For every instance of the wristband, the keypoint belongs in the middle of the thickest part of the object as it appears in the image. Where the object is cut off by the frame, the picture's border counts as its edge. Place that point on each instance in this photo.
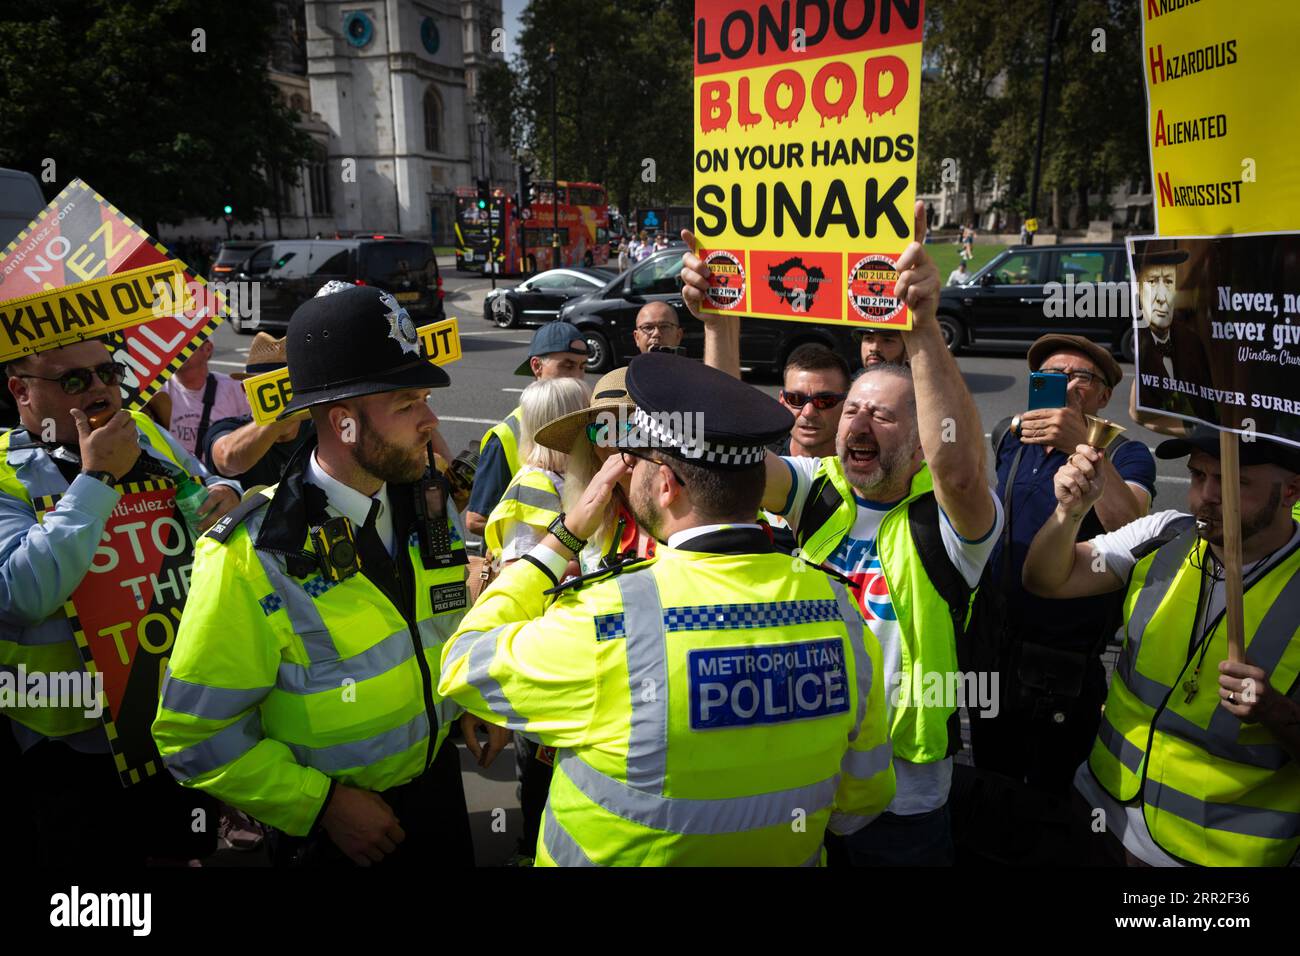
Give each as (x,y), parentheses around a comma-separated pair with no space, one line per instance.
(565,536)
(105,476)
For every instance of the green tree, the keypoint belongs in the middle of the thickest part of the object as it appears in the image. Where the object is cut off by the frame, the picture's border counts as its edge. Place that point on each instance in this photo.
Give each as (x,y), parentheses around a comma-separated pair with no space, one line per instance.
(623,94)
(967,44)
(115,92)
(1095,136)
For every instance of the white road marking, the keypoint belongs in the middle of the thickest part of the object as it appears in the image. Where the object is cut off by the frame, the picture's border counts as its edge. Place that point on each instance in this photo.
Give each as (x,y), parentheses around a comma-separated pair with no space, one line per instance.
(469,421)
(512,389)
(1174,479)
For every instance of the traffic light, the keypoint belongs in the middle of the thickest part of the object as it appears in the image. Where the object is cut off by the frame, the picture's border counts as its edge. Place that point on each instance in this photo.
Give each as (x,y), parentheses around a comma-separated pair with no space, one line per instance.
(228,209)
(525,187)
(484,193)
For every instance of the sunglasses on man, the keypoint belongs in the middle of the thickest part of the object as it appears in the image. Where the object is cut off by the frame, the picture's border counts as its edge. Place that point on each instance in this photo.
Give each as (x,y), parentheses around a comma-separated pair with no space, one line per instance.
(77,380)
(821,401)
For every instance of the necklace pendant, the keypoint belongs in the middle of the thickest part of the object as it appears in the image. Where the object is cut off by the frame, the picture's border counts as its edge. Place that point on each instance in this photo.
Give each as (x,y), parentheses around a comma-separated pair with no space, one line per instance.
(1191,687)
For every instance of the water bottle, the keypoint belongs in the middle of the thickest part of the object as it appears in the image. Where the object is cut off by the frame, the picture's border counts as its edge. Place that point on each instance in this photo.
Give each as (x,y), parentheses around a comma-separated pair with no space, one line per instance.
(190,496)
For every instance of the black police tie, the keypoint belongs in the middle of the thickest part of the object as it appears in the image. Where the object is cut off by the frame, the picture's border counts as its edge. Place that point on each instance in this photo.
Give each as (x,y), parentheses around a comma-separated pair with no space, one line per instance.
(375,559)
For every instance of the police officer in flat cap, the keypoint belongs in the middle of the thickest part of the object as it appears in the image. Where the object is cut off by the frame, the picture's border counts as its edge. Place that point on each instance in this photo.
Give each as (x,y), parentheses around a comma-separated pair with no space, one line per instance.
(1167,344)
(303,685)
(713,705)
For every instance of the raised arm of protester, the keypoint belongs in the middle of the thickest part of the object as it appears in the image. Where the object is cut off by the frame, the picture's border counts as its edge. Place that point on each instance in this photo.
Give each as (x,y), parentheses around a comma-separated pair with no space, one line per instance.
(721,332)
(951,434)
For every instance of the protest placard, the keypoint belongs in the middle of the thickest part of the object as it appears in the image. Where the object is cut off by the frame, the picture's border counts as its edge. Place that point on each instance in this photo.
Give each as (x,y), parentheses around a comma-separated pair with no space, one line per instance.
(1218,338)
(82,237)
(125,613)
(269,392)
(1215,94)
(805,155)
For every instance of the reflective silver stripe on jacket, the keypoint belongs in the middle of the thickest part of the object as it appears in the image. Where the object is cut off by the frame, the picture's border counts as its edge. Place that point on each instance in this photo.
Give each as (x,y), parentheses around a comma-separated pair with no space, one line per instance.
(210,703)
(690,817)
(1119,745)
(865,764)
(534,497)
(223,747)
(1160,575)
(852,618)
(1229,817)
(647,676)
(561,847)
(364,753)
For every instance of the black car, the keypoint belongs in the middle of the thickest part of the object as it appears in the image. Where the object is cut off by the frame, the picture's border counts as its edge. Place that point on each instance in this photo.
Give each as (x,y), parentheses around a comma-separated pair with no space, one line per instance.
(537,300)
(288,272)
(607,318)
(231,258)
(1006,303)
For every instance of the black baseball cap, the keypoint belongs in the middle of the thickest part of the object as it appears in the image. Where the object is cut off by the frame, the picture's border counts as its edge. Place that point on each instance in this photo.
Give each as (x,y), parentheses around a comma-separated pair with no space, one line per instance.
(551,338)
(1260,451)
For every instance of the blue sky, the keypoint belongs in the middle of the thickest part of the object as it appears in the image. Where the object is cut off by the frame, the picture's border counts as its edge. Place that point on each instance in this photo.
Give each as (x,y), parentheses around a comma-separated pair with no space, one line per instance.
(511,9)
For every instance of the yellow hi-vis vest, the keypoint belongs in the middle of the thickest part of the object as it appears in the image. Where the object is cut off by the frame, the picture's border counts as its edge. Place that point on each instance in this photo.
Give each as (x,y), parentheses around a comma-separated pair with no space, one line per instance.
(926,625)
(1215,791)
(49,647)
(530,498)
(711,709)
(507,432)
(277,684)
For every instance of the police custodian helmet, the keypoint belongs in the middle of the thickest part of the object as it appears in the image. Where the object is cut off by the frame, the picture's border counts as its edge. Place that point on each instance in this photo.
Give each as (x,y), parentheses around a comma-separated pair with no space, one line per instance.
(359,341)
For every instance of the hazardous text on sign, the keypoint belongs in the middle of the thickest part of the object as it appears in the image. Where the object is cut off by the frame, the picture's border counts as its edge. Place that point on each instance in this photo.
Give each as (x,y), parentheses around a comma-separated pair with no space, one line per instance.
(805,153)
(1220,162)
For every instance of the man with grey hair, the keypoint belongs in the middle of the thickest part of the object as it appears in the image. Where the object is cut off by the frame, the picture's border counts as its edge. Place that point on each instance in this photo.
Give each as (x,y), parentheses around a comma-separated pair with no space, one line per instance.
(903,511)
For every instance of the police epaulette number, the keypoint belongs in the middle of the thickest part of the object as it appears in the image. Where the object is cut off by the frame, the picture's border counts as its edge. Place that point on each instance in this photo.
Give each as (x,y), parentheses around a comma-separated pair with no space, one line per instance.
(582,580)
(223,529)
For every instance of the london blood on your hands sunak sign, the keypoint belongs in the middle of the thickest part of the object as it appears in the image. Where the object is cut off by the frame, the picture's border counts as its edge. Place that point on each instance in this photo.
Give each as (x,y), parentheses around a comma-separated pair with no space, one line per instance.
(805,123)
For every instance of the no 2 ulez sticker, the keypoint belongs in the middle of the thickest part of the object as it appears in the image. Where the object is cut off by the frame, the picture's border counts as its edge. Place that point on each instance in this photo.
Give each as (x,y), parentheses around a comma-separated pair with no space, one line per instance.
(726,279)
(870,286)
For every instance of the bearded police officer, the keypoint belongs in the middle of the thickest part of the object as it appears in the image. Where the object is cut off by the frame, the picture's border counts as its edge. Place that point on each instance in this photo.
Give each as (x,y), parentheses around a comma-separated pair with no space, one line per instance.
(712,705)
(303,687)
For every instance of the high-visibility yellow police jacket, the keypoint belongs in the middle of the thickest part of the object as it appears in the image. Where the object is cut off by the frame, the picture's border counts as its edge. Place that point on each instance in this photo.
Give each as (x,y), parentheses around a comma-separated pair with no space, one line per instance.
(712,705)
(37,580)
(1215,791)
(282,680)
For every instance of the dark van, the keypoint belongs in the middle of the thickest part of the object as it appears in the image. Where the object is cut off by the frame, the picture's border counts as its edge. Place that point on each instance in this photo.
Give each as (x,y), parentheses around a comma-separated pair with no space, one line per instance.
(290,271)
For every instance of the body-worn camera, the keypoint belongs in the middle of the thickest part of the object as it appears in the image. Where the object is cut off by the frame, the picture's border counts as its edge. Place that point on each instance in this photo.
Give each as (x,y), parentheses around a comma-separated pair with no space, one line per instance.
(336,549)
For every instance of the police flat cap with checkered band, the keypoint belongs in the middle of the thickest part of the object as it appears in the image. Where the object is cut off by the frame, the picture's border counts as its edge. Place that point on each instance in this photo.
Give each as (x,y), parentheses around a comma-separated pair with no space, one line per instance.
(699,414)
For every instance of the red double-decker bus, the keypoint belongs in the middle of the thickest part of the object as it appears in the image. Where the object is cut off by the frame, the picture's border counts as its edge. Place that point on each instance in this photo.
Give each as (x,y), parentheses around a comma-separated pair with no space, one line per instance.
(522,245)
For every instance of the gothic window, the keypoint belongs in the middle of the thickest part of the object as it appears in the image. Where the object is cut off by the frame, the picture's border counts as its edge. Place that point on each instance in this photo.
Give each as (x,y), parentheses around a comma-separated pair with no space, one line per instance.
(432,121)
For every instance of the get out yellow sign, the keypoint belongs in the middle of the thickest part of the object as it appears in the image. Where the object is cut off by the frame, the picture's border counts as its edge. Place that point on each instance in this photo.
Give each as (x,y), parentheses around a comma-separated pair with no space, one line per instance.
(269,392)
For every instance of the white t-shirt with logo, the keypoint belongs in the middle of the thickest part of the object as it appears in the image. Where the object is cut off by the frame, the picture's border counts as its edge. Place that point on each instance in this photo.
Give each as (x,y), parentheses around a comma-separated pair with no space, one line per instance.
(921,787)
(187,407)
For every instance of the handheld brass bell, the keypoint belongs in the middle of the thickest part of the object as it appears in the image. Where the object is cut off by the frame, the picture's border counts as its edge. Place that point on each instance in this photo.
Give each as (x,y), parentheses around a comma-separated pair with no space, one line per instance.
(1101,432)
